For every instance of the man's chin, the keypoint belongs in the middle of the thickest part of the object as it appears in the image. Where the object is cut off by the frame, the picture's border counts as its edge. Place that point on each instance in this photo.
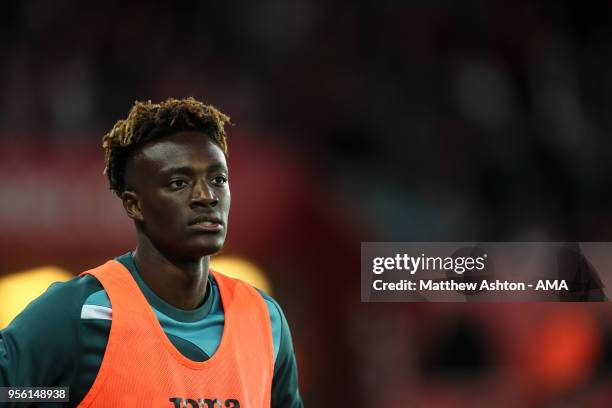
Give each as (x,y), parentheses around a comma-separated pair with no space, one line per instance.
(194,249)
(206,250)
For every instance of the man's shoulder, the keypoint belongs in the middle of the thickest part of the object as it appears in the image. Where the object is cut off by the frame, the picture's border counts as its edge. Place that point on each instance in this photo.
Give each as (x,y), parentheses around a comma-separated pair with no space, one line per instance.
(273,306)
(61,301)
(41,342)
(73,291)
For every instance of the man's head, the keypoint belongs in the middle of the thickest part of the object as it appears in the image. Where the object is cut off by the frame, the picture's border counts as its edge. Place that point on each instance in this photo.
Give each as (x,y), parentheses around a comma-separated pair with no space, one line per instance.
(167,163)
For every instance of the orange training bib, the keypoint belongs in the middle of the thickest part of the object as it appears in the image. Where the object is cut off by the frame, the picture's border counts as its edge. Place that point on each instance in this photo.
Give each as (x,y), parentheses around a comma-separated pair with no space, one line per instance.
(142,368)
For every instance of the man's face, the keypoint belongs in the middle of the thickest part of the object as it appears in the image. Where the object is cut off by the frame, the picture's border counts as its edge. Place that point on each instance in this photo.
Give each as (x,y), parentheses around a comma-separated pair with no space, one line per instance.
(180,194)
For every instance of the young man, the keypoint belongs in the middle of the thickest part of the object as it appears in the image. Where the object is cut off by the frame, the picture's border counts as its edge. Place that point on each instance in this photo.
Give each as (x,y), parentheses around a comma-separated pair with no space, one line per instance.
(156,327)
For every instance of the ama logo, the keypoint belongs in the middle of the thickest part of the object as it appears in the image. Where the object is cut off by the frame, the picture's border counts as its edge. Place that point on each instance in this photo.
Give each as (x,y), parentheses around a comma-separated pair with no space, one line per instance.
(545,284)
(204,403)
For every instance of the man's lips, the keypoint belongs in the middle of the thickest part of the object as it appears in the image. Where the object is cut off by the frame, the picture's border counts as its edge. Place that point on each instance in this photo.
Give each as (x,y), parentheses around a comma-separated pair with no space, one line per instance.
(206,223)
(208,226)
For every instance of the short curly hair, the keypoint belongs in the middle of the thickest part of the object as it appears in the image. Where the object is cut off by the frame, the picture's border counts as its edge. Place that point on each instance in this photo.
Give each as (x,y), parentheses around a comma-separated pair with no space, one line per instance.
(147,121)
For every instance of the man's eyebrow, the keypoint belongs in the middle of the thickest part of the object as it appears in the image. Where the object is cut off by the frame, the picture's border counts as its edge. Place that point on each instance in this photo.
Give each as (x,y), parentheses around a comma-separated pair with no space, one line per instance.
(216,166)
(190,170)
(176,169)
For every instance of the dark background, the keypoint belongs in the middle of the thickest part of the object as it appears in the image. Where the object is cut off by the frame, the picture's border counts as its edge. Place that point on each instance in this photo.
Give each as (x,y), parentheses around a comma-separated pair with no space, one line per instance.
(354,121)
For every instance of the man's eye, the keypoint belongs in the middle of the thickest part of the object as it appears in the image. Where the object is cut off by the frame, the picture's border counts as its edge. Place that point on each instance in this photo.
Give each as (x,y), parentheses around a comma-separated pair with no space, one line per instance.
(178,184)
(220,180)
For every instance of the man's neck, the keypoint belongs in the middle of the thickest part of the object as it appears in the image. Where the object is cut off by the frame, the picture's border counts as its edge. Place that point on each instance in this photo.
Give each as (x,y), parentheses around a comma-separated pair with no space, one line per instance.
(180,284)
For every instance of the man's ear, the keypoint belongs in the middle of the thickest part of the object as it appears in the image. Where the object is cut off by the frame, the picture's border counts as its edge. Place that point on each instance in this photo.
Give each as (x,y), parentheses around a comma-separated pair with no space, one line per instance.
(131,203)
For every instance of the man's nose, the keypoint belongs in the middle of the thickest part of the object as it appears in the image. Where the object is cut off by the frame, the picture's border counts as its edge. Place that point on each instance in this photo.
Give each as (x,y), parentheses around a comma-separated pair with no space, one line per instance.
(203,194)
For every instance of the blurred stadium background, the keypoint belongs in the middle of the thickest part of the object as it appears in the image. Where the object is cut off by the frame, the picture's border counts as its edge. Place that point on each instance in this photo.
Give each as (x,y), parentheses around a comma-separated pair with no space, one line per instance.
(355,121)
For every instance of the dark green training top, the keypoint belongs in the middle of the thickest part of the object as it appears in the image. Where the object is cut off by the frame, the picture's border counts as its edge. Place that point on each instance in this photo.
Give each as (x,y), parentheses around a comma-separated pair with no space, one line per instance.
(60,338)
